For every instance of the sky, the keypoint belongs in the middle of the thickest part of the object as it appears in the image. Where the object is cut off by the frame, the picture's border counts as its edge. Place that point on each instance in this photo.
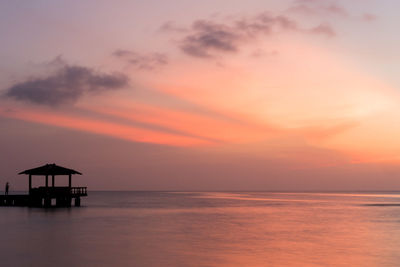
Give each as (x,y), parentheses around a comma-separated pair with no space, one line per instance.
(289,95)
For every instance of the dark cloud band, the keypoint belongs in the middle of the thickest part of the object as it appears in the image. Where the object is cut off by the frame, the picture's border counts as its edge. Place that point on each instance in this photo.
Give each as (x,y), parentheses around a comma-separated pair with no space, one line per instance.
(207,38)
(66,85)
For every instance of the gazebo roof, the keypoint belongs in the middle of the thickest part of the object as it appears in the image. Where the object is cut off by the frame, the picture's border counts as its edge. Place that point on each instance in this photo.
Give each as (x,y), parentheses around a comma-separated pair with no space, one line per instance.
(50,169)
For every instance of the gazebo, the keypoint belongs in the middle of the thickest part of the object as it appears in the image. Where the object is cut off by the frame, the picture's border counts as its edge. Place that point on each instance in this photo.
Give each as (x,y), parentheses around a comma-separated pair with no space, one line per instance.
(43,195)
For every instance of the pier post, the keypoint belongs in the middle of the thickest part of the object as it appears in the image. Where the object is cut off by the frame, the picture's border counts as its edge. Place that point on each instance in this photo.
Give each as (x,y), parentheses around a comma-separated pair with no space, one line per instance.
(59,202)
(77,202)
(47,202)
(30,183)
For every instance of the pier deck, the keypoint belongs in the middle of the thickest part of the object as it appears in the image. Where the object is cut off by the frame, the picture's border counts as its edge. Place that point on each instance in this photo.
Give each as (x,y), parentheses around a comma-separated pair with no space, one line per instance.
(46,197)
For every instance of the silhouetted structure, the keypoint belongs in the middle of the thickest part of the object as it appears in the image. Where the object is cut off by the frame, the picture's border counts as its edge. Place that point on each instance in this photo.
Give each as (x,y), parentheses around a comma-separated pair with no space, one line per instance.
(42,196)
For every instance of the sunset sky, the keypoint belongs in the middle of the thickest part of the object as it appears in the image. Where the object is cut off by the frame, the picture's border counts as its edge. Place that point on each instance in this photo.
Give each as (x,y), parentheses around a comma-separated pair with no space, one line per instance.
(202,95)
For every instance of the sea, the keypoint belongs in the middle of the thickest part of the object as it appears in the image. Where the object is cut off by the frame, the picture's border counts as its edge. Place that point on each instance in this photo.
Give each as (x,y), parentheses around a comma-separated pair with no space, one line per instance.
(207,229)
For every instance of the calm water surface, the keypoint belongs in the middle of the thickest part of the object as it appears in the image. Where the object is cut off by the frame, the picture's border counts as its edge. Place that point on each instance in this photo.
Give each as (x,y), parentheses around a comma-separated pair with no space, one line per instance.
(207,229)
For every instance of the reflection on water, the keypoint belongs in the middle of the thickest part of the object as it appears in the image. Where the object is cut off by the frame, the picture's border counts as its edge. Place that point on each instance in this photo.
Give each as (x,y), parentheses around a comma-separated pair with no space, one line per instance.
(207,229)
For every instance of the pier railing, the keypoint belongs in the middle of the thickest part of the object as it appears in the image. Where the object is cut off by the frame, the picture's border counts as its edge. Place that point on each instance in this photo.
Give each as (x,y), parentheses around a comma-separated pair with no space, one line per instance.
(79,191)
(59,191)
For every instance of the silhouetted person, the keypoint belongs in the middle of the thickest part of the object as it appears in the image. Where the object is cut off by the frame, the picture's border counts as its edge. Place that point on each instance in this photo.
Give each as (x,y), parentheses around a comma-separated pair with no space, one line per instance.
(7,187)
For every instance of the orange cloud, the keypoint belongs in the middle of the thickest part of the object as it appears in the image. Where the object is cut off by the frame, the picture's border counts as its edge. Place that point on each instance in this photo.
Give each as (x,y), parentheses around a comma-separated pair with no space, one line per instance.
(102,127)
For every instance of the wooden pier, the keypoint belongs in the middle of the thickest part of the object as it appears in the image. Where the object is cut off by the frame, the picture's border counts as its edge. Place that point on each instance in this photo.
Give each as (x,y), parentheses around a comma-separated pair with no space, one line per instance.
(47,196)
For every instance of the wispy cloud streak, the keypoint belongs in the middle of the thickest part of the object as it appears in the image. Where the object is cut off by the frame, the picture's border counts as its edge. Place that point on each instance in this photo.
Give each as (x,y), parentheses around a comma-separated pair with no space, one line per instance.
(148,61)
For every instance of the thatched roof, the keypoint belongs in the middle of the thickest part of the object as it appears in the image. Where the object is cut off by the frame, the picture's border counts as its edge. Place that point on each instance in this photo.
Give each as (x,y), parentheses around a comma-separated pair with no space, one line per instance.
(50,169)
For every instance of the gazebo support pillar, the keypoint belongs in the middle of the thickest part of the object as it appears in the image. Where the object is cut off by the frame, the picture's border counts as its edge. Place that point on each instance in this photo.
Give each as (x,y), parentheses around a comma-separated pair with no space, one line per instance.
(47,181)
(69,181)
(52,180)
